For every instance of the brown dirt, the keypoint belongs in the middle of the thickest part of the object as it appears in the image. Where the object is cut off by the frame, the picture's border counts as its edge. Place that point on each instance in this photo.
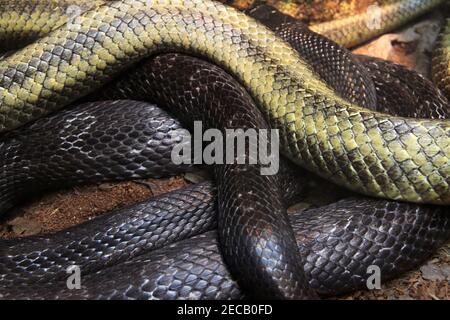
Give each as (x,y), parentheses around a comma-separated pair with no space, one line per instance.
(61,209)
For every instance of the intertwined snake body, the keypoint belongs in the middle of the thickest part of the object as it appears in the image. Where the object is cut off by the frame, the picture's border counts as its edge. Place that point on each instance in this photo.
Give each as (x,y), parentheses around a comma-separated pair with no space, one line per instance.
(367,151)
(373,153)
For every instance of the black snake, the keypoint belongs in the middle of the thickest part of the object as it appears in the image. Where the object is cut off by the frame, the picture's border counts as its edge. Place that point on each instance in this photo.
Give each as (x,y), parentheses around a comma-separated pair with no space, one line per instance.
(254,231)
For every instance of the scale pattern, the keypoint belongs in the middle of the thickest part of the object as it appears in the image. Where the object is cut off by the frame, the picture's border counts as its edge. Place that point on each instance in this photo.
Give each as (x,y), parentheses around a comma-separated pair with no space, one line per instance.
(354,30)
(254,230)
(259,60)
(403,92)
(337,243)
(115,238)
(160,74)
(337,66)
(111,238)
(369,152)
(110,140)
(23,21)
(441,61)
(246,198)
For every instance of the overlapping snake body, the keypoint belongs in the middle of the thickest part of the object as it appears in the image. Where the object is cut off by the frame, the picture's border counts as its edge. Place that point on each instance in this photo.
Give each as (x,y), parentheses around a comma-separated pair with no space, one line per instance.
(373,22)
(390,157)
(441,61)
(164,248)
(380,155)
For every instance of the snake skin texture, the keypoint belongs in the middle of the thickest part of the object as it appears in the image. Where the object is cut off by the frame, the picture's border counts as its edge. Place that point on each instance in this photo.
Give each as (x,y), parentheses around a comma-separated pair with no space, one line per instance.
(40,264)
(368,152)
(324,11)
(167,80)
(373,83)
(26,21)
(18,22)
(337,243)
(231,179)
(403,92)
(258,203)
(249,203)
(125,135)
(134,141)
(354,30)
(31,264)
(441,61)
(364,232)
(111,238)
(128,232)
(335,65)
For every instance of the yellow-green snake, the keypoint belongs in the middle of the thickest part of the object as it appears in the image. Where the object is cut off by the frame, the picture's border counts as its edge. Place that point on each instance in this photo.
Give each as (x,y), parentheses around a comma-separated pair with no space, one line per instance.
(377,20)
(353,28)
(365,151)
(441,61)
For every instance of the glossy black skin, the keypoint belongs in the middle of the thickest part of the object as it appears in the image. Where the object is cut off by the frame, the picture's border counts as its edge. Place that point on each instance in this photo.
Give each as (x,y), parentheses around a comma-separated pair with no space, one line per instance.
(254,231)
(331,62)
(403,92)
(181,83)
(85,145)
(152,241)
(167,248)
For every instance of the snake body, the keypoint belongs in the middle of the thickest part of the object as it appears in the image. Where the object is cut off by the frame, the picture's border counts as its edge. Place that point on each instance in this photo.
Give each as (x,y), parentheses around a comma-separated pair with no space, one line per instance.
(380,155)
(169,243)
(193,268)
(369,152)
(441,61)
(354,30)
(345,22)
(140,149)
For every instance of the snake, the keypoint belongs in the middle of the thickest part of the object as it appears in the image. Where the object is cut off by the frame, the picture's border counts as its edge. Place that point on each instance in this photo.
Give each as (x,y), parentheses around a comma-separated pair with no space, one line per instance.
(441,61)
(289,86)
(169,243)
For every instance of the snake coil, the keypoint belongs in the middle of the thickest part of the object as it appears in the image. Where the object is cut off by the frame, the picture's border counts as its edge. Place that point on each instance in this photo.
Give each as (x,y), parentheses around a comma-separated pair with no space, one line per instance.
(324,124)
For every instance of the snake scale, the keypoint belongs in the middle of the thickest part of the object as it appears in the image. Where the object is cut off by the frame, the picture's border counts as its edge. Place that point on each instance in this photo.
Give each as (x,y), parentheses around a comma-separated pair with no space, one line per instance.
(378,154)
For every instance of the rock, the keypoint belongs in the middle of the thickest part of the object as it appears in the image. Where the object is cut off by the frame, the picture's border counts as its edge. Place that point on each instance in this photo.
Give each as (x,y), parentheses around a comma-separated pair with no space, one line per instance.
(298,208)
(446,272)
(105,186)
(197,176)
(432,272)
(25,227)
